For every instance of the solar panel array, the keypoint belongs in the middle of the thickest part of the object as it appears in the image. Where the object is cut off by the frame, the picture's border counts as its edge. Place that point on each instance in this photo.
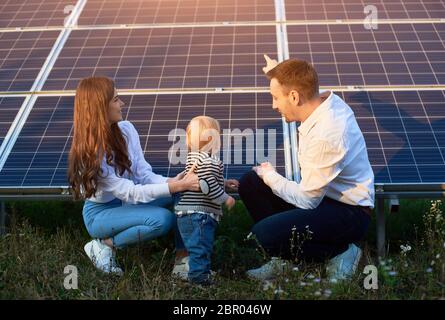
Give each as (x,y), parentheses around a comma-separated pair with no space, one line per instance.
(394,54)
(173,11)
(34,13)
(200,57)
(354,9)
(173,60)
(40,154)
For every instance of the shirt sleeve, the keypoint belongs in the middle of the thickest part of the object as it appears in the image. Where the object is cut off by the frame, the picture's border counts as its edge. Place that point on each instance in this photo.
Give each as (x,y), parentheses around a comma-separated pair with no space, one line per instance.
(127,191)
(320,164)
(207,172)
(143,172)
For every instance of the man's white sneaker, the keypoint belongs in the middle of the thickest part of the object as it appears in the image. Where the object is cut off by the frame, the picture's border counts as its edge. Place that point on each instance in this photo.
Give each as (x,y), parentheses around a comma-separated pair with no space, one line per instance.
(344,265)
(181,269)
(270,270)
(102,257)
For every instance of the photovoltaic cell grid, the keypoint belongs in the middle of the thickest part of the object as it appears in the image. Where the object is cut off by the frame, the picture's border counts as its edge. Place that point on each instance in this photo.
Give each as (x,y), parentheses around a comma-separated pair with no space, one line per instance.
(22,55)
(162,58)
(354,9)
(404,133)
(34,13)
(395,54)
(39,157)
(98,12)
(9,107)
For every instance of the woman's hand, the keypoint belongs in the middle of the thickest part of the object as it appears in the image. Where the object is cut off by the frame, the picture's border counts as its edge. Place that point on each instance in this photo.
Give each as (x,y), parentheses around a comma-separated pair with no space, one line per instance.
(185,181)
(178,177)
(231,185)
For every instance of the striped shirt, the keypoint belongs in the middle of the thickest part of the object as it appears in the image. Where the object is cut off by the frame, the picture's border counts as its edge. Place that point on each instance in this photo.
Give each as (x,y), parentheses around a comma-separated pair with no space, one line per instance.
(209,170)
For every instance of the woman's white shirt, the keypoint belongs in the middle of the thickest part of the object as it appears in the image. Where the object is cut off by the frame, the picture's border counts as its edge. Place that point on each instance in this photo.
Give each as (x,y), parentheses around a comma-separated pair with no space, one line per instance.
(142,186)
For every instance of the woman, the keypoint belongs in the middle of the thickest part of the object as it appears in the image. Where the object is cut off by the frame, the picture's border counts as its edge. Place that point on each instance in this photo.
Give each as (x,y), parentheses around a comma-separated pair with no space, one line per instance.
(125,200)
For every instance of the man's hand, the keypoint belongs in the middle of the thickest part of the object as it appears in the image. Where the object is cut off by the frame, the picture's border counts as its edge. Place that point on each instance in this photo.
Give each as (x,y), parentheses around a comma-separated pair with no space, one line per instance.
(230,202)
(271,63)
(263,168)
(231,185)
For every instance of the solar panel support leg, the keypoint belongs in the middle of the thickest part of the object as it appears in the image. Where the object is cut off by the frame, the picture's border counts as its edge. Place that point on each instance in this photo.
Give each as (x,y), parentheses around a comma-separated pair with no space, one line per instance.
(380,219)
(2,218)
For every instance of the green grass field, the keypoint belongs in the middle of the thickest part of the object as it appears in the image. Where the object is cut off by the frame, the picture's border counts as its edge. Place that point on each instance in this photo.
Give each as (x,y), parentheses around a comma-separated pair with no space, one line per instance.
(44,237)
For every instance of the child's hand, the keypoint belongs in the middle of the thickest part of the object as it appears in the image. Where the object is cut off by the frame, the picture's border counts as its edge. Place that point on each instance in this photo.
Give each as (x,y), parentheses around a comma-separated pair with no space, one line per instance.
(230,202)
(231,185)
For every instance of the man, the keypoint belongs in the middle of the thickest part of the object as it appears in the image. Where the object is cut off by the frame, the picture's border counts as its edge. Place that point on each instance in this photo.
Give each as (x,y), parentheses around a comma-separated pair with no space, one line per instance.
(323,215)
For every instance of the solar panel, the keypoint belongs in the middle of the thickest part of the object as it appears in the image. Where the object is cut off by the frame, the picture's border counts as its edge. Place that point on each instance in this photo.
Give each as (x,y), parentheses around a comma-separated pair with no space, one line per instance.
(166,57)
(404,130)
(39,156)
(99,12)
(34,13)
(22,55)
(395,54)
(404,133)
(9,106)
(354,9)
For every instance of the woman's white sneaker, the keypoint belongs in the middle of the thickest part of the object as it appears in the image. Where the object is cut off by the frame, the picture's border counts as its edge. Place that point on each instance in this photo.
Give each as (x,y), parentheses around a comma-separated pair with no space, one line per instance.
(102,257)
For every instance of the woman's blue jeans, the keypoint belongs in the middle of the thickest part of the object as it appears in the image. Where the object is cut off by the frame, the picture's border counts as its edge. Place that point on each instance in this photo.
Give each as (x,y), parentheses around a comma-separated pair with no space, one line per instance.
(129,224)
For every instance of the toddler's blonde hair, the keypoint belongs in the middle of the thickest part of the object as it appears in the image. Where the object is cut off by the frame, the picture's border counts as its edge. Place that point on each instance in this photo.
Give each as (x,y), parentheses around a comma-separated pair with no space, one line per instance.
(203,134)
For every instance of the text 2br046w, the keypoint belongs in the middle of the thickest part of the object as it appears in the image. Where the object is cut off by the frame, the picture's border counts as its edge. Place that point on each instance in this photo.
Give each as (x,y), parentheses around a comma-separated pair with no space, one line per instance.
(233,309)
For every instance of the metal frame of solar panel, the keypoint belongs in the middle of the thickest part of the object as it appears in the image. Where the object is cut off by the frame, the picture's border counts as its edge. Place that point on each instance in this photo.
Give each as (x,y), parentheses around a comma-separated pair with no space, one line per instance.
(393,77)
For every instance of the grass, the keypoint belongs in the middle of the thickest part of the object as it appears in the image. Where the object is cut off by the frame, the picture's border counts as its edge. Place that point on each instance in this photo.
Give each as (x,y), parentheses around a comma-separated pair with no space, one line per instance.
(45,237)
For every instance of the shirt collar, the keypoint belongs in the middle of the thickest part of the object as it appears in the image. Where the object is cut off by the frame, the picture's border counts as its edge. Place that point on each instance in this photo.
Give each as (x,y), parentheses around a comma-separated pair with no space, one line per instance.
(307,125)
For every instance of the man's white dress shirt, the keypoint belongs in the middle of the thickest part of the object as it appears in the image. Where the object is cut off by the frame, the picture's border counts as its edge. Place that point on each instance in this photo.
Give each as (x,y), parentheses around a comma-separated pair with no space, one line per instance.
(333,160)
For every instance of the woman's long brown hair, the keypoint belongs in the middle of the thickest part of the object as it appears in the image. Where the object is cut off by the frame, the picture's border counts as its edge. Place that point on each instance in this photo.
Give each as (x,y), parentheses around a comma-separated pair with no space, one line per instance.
(94,137)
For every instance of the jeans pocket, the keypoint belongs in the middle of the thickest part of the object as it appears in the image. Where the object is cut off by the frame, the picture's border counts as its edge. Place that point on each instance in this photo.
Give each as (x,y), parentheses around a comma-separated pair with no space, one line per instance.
(207,227)
(185,225)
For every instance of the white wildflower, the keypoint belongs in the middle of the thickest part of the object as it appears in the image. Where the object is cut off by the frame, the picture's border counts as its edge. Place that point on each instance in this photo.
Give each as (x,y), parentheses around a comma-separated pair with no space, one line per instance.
(333,280)
(429,270)
(278,291)
(317,293)
(267,285)
(295,269)
(392,273)
(317,280)
(327,292)
(406,248)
